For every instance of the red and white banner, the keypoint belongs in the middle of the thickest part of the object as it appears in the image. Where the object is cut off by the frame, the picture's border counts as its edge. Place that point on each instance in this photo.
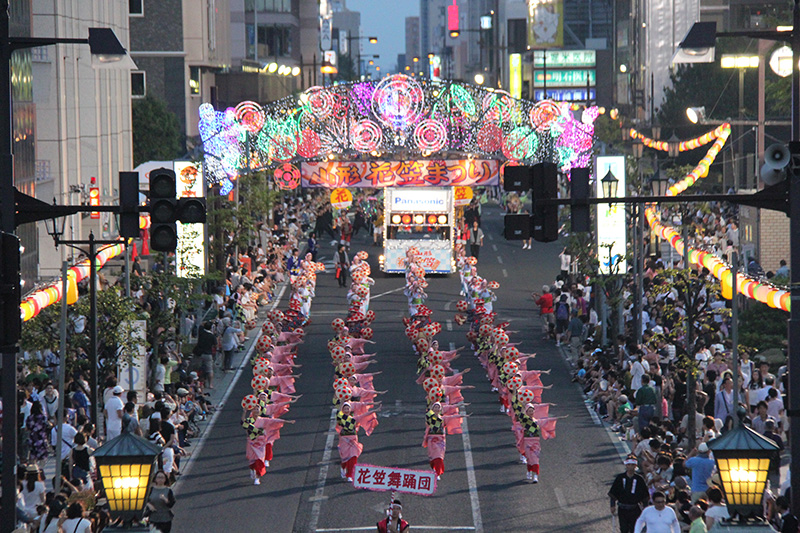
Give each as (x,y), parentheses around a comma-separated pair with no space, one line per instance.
(381,478)
(378,174)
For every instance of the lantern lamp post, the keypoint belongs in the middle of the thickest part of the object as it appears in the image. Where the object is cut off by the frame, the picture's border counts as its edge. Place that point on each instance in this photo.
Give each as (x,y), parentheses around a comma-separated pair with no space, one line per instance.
(125,465)
(743,458)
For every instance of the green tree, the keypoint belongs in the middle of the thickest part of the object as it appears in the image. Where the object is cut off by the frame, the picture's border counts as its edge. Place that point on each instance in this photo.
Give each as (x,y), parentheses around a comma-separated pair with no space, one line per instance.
(763,327)
(156,131)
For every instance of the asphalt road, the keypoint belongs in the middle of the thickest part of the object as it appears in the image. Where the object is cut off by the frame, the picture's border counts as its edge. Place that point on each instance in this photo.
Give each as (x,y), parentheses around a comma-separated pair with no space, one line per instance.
(483,488)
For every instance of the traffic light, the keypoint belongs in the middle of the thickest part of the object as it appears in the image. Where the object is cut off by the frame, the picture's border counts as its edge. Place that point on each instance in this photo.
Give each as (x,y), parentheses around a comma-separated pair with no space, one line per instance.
(545,187)
(10,320)
(452,20)
(94,198)
(129,204)
(192,210)
(163,211)
(579,183)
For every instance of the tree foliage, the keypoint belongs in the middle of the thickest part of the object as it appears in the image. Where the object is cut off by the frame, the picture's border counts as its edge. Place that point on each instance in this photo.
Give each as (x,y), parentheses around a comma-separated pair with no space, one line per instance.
(157,133)
(762,327)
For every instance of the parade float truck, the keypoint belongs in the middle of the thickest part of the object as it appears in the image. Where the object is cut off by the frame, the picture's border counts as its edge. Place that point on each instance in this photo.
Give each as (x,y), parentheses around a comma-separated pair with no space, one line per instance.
(420,217)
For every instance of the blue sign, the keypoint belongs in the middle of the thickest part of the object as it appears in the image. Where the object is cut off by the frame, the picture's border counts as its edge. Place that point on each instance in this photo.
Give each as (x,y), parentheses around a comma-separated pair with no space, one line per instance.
(564,95)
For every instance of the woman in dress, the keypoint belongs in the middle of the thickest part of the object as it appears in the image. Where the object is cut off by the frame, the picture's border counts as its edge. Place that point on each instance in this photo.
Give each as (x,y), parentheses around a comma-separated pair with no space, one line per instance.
(350,449)
(434,439)
(38,427)
(262,432)
(531,434)
(160,502)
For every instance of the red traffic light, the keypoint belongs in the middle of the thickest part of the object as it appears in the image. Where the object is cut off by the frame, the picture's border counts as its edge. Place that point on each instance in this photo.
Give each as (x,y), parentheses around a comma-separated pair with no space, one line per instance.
(94,200)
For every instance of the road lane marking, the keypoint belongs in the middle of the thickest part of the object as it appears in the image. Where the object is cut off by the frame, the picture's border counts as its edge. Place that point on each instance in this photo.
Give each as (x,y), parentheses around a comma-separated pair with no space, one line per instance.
(505,273)
(318,497)
(449,325)
(562,502)
(494,247)
(491,237)
(499,259)
(221,404)
(416,527)
(477,520)
(447,306)
(621,449)
(387,292)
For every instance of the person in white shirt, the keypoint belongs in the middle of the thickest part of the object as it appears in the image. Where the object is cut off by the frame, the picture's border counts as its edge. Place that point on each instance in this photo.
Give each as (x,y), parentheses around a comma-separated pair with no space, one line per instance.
(67,442)
(113,411)
(658,518)
(639,368)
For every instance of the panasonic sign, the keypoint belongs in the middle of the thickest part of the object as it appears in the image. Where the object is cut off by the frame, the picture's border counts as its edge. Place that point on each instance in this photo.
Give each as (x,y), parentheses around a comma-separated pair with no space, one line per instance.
(425,200)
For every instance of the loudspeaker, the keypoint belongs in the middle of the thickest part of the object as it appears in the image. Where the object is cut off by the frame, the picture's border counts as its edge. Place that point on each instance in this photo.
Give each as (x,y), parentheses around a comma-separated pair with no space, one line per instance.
(579,183)
(517,179)
(517,227)
(777,156)
(545,217)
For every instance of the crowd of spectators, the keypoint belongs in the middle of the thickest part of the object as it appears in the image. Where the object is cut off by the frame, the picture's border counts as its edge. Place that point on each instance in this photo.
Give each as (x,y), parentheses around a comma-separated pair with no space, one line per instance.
(640,389)
(183,363)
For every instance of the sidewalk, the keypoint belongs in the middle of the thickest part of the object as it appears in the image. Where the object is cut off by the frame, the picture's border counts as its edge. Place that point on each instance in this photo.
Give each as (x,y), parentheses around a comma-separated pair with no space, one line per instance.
(223,384)
(624,446)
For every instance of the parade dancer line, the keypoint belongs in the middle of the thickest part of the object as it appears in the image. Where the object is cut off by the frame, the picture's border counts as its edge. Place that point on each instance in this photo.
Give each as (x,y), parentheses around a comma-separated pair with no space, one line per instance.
(262,432)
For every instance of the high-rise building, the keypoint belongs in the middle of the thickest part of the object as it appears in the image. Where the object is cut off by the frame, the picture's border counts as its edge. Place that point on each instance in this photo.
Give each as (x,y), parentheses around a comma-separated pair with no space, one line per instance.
(347,38)
(83,122)
(412,43)
(275,50)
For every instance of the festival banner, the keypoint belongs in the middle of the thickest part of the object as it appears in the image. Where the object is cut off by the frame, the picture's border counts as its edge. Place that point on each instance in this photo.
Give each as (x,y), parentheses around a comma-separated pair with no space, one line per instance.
(380,174)
(545,23)
(190,255)
(433,256)
(341,198)
(382,478)
(463,196)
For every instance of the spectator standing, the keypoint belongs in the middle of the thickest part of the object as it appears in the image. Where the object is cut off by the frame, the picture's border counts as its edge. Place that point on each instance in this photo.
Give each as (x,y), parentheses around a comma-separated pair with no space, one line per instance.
(230,342)
(545,303)
(788,522)
(628,494)
(658,518)
(342,265)
(160,503)
(113,412)
(475,240)
(562,318)
(566,261)
(204,351)
(701,466)
(575,334)
(646,401)
(697,525)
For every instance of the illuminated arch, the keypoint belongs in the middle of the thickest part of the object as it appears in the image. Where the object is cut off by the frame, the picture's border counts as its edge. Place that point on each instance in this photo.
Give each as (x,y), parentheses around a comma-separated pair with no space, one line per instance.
(409,117)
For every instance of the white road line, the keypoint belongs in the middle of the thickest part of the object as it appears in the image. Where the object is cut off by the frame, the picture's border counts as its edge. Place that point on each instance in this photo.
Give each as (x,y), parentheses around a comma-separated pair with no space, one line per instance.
(447,306)
(387,292)
(499,259)
(318,497)
(449,325)
(416,527)
(505,273)
(491,237)
(196,452)
(477,520)
(494,247)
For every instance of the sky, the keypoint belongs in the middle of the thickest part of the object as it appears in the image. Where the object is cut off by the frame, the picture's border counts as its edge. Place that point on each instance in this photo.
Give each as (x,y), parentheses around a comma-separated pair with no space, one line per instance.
(386,20)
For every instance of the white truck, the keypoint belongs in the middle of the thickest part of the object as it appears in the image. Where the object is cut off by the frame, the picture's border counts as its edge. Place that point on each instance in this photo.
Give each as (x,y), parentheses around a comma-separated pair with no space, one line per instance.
(423,217)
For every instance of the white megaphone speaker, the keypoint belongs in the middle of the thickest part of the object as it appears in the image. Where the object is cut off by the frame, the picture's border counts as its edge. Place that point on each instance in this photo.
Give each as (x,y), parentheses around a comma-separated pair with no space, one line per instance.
(776,158)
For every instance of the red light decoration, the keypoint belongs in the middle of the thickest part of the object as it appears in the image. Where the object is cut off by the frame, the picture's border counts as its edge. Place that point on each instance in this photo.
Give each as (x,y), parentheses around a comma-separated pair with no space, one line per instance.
(94,201)
(406,219)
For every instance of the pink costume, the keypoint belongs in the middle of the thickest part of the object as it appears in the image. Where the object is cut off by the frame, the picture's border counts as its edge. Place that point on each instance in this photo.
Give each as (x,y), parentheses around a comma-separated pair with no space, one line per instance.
(259,449)
(357,345)
(284,383)
(290,337)
(532,377)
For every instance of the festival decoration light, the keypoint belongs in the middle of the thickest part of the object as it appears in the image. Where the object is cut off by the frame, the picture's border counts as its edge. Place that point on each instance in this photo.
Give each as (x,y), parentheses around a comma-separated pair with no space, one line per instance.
(423,118)
(758,290)
(33,304)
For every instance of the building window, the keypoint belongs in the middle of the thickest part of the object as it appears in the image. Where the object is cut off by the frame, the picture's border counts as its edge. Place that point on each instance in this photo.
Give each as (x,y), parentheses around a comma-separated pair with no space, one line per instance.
(194,80)
(517,36)
(274,41)
(137,84)
(279,6)
(136,8)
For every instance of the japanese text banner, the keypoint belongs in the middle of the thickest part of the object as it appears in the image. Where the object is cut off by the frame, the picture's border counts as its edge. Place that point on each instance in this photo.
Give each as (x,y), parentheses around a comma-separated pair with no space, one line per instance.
(378,174)
(381,478)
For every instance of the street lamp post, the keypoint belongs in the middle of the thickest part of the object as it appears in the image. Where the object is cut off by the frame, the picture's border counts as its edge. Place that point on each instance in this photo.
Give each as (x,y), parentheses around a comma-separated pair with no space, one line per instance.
(350,39)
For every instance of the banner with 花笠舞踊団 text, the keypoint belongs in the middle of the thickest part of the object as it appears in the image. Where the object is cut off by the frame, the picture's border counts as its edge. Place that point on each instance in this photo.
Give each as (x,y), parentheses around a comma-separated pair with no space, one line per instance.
(417,173)
(382,478)
(545,23)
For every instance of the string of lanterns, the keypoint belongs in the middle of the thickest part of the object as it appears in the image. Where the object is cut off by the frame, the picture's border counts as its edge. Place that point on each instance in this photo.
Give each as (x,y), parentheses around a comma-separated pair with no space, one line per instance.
(752,288)
(38,300)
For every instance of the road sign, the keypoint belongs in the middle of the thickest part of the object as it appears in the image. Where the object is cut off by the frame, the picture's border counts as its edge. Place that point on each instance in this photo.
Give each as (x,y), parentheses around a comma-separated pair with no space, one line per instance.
(382,478)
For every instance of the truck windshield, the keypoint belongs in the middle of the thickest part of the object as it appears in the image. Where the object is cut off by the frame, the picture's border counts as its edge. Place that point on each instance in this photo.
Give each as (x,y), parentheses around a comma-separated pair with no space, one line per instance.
(417,233)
